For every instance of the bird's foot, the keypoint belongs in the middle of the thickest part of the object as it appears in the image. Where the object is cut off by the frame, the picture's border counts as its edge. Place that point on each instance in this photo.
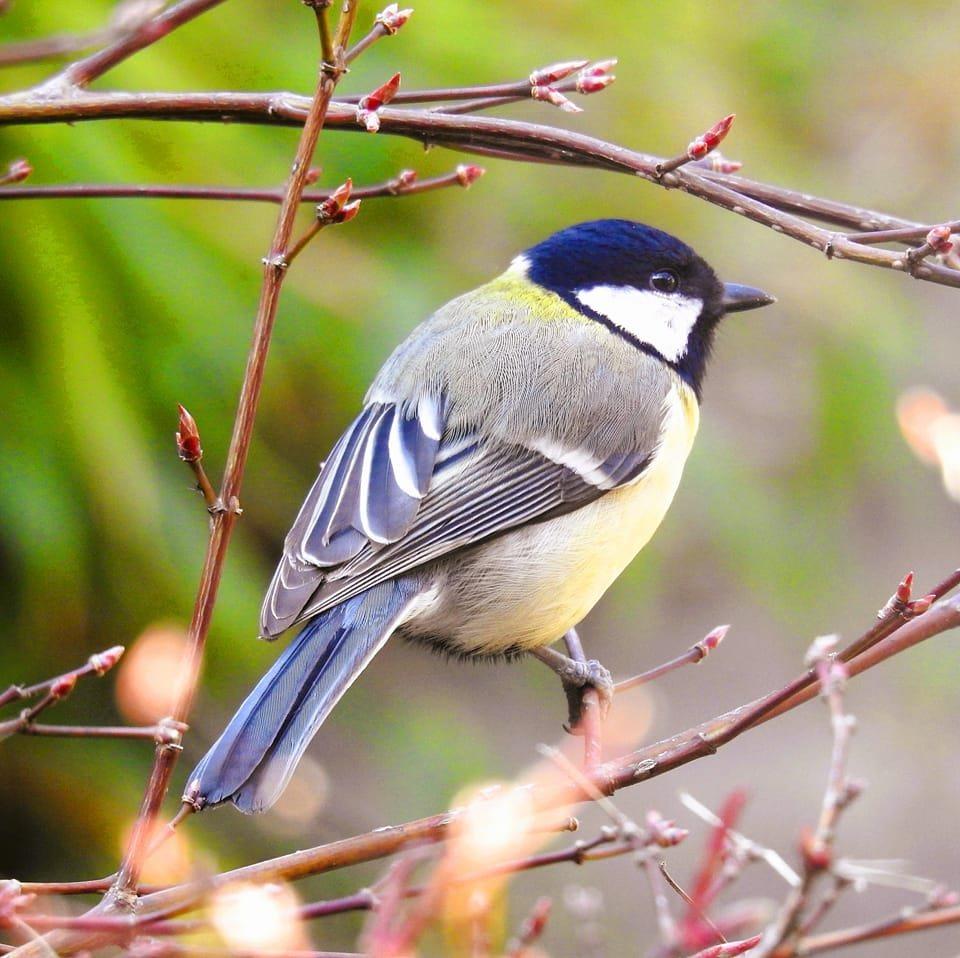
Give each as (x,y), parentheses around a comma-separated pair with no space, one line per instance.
(586,675)
(576,678)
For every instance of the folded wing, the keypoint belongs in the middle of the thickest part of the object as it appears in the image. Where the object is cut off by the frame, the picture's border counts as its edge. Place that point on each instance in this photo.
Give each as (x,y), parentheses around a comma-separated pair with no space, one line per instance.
(397,493)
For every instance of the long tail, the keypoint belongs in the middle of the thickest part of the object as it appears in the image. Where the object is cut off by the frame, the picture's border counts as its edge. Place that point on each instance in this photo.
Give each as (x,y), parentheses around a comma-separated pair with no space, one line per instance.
(252,761)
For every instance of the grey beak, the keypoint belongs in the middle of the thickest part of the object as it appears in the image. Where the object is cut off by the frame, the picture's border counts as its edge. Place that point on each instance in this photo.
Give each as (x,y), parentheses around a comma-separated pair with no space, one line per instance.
(737,298)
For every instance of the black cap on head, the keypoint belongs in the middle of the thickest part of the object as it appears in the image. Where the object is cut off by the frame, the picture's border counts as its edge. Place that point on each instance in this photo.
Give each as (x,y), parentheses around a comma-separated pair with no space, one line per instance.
(623,254)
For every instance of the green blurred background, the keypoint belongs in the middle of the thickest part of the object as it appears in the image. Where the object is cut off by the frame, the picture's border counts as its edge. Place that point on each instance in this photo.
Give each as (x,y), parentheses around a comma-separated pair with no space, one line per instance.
(800,509)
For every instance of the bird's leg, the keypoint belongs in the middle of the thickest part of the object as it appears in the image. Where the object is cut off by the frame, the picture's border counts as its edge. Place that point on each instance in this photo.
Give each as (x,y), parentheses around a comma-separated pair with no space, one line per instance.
(577,673)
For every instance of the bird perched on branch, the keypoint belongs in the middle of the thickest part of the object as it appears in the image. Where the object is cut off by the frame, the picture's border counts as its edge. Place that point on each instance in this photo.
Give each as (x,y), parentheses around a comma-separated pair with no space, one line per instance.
(513,455)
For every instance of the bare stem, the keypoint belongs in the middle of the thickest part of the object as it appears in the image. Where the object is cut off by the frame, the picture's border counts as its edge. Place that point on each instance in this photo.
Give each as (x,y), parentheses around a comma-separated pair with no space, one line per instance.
(693,656)
(223,522)
(83,72)
(404,184)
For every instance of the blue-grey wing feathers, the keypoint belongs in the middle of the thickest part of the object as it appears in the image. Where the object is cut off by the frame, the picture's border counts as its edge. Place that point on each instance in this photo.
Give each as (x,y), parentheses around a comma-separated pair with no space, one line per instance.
(368,492)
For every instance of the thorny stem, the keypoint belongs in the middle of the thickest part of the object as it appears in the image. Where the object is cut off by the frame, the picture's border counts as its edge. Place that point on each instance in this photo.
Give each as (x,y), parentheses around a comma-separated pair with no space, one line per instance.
(223,522)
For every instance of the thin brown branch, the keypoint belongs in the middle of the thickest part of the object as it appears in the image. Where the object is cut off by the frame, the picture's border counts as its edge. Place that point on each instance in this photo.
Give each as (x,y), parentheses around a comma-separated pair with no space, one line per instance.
(531,930)
(223,522)
(83,72)
(902,924)
(693,656)
(906,235)
(147,732)
(386,23)
(514,140)
(698,148)
(650,762)
(818,853)
(127,17)
(191,452)
(405,183)
(52,691)
(653,761)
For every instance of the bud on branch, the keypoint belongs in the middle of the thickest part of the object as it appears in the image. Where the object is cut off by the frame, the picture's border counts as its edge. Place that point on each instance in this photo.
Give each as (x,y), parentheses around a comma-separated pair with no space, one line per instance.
(369,105)
(188,437)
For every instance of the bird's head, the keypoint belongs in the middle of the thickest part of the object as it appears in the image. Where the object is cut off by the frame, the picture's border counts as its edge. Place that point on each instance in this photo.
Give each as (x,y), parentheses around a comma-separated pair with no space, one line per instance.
(643,285)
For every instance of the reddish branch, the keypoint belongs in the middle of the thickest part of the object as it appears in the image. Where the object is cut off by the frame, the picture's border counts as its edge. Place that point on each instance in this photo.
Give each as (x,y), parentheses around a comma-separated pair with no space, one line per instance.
(405,183)
(52,691)
(902,623)
(332,67)
(650,762)
(780,209)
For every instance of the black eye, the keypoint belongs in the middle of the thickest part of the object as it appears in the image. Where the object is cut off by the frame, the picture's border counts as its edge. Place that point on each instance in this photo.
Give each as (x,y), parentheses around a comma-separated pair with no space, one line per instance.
(664,281)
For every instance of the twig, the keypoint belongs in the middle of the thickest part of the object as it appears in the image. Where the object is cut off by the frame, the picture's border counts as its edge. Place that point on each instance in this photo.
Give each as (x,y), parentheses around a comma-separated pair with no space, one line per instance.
(386,23)
(908,921)
(53,691)
(330,212)
(650,762)
(83,72)
(817,848)
(223,522)
(693,656)
(191,452)
(532,928)
(17,171)
(661,905)
(698,148)
(729,948)
(404,183)
(509,139)
(127,16)
(147,732)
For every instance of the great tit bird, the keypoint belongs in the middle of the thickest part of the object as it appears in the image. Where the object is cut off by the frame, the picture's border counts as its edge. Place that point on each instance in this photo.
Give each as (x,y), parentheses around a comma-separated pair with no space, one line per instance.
(512,456)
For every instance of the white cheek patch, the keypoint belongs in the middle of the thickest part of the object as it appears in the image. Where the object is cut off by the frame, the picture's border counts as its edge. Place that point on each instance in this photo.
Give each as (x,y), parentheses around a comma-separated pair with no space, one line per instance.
(661,320)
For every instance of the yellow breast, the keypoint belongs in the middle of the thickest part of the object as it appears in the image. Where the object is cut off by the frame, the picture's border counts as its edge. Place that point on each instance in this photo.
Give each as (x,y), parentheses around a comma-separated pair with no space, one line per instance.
(550,575)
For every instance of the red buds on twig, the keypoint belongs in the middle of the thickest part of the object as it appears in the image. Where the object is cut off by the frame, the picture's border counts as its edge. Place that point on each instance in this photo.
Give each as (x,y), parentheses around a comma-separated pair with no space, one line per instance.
(188,437)
(336,208)
(717,162)
(664,832)
(596,77)
(901,604)
(17,172)
(103,662)
(711,640)
(556,71)
(700,146)
(938,242)
(549,94)
(729,948)
(391,18)
(468,174)
(369,105)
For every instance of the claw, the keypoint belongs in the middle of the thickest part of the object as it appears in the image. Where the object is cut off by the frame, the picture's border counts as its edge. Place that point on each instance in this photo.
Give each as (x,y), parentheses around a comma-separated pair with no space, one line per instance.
(577,678)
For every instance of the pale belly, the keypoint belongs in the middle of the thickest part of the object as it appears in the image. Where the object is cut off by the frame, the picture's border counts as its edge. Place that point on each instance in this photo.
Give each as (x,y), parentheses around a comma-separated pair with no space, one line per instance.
(527,588)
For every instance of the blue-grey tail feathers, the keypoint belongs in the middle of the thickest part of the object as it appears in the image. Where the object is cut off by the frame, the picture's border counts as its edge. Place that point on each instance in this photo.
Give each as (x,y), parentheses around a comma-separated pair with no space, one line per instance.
(252,761)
